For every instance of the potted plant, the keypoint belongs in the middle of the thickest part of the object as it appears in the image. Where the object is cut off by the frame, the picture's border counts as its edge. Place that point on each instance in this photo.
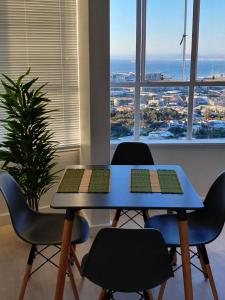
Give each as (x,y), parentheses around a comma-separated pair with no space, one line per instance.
(27,149)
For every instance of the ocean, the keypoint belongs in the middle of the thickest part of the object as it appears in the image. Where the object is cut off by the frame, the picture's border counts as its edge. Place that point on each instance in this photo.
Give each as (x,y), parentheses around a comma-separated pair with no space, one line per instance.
(171,68)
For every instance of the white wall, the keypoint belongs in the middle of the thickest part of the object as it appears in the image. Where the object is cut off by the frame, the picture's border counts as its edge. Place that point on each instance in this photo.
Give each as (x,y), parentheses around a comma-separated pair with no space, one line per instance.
(94,90)
(94,83)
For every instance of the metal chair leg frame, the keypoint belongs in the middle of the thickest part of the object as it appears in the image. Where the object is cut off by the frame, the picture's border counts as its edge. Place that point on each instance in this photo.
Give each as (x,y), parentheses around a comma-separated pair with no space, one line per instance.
(117,216)
(27,272)
(131,219)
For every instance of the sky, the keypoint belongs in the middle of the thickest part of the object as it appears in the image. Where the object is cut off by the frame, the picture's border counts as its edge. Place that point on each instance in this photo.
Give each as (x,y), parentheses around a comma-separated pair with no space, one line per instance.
(165,26)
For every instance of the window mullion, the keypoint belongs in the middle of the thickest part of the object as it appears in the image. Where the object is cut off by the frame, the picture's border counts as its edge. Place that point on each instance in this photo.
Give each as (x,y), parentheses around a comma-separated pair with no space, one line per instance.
(194,56)
(143,40)
(138,72)
(190,112)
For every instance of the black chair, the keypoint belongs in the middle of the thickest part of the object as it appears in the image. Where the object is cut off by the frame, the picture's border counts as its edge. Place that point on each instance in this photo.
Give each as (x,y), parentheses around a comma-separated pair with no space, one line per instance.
(131,153)
(204,226)
(38,229)
(112,264)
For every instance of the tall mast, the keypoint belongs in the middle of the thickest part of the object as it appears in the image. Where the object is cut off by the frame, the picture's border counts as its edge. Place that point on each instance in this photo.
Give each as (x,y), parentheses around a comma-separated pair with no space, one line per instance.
(184,41)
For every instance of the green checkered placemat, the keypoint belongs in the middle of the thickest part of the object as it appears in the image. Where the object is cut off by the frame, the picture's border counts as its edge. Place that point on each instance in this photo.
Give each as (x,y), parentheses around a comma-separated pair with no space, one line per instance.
(85,181)
(140,181)
(100,180)
(156,181)
(169,182)
(71,181)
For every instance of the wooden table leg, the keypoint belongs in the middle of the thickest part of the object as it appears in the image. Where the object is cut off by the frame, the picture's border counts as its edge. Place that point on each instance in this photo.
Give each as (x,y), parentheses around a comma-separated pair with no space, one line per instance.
(185,255)
(65,248)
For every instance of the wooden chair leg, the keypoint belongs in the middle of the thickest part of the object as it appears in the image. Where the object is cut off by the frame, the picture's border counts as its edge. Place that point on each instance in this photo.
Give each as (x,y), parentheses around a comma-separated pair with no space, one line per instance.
(173,256)
(161,291)
(102,294)
(27,272)
(74,257)
(145,214)
(212,282)
(116,217)
(209,272)
(25,281)
(174,260)
(204,270)
(148,295)
(72,282)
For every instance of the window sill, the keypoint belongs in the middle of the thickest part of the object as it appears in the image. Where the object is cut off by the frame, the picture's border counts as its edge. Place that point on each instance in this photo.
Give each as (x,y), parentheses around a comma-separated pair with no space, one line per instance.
(172,143)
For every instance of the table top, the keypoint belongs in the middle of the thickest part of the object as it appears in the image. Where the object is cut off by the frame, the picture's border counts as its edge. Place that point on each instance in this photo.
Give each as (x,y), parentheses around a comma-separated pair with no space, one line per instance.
(121,197)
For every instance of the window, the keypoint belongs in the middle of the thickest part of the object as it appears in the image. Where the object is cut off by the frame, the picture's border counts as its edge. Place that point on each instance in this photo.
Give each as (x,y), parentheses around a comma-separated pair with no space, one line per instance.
(168,80)
(42,34)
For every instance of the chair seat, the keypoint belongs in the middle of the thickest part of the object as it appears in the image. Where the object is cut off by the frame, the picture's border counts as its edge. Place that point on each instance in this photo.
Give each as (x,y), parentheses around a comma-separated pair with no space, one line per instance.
(201,228)
(46,229)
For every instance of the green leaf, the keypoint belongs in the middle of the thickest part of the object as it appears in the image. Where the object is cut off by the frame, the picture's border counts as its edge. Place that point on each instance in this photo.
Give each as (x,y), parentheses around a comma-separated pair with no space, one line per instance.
(27,86)
(28,149)
(10,80)
(8,87)
(22,76)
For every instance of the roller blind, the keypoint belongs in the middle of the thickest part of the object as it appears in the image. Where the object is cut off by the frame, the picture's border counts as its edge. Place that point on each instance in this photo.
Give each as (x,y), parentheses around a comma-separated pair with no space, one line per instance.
(43,35)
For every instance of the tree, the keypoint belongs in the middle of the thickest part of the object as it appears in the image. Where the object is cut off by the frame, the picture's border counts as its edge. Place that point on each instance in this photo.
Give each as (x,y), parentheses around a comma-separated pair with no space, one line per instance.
(27,149)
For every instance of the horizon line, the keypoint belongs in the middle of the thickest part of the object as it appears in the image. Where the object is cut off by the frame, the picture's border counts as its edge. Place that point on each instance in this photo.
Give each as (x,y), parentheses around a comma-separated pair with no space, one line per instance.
(127,57)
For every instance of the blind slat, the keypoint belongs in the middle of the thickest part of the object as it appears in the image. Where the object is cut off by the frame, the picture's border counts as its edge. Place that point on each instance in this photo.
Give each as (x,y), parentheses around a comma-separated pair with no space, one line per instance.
(42,34)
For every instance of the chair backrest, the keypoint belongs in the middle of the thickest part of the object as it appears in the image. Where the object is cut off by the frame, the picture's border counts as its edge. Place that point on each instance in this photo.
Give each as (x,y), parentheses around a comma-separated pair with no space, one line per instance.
(128,260)
(18,208)
(132,153)
(215,203)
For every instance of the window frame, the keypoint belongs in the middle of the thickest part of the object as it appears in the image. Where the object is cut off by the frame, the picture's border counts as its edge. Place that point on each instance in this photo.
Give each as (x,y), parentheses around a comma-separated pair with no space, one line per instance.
(141,6)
